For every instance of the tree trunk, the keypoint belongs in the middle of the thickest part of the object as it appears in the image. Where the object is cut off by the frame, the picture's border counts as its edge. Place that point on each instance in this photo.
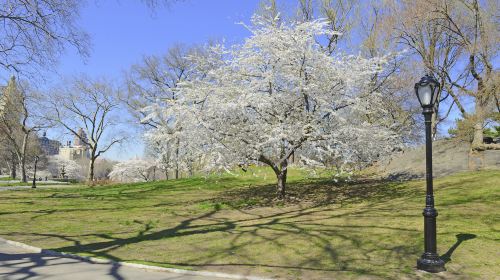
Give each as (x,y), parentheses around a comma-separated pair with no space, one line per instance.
(191,170)
(479,118)
(281,190)
(24,178)
(91,170)
(477,141)
(281,176)
(13,165)
(280,171)
(13,173)
(177,159)
(22,158)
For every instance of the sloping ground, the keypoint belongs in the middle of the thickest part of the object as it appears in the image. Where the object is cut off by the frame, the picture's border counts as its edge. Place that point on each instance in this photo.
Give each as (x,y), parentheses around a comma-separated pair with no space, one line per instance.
(355,230)
(449,157)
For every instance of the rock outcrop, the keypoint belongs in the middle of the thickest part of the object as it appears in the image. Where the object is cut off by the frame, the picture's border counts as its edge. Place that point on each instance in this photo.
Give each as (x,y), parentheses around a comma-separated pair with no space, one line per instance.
(449,156)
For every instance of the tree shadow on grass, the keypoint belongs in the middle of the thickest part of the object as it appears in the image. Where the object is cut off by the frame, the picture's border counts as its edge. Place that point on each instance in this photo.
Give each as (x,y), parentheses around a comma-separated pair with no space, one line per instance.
(273,229)
(308,223)
(182,229)
(317,192)
(446,257)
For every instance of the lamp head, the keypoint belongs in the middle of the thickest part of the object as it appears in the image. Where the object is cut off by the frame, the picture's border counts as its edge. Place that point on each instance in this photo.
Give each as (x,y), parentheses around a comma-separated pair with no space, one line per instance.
(427,91)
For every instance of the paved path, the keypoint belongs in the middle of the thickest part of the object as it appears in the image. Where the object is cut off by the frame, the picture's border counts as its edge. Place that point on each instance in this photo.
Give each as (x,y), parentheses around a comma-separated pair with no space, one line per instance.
(21,264)
(30,180)
(15,188)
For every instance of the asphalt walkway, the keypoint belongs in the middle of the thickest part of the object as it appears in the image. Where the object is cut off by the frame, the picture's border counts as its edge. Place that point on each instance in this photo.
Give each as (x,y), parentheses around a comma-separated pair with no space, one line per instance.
(28,187)
(19,264)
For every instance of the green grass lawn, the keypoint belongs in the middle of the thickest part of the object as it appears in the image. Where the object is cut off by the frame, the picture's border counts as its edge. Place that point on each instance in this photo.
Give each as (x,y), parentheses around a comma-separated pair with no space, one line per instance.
(325,230)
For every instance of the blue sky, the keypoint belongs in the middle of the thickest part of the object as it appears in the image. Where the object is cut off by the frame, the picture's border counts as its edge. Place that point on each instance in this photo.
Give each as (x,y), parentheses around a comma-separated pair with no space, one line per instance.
(122,32)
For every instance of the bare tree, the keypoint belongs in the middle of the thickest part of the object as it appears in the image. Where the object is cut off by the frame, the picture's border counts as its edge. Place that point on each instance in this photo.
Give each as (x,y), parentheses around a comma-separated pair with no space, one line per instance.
(93,106)
(268,9)
(397,80)
(34,33)
(456,40)
(7,157)
(20,120)
(340,14)
(156,79)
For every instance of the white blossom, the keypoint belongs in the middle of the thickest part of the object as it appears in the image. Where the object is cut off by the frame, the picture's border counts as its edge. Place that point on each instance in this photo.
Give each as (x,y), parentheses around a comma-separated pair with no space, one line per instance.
(71,169)
(134,170)
(277,95)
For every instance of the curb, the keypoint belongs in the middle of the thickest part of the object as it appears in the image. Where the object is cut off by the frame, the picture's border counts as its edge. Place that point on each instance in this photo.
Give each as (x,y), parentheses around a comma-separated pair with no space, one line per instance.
(127,264)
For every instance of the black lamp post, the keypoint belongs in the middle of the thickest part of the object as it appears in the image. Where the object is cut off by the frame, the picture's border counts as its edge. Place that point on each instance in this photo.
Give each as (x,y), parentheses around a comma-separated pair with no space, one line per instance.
(34,173)
(427,93)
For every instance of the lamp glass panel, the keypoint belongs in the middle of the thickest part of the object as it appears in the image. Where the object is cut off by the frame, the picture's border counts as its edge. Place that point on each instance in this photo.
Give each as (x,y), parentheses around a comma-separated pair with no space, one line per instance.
(425,95)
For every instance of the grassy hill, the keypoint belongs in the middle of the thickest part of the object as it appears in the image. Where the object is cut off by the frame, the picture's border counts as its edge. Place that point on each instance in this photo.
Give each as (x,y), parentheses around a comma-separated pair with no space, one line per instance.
(326,230)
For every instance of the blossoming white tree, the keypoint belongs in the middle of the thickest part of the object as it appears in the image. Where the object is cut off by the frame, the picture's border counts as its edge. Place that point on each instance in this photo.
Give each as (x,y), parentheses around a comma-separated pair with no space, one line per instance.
(58,165)
(277,95)
(171,151)
(134,170)
(91,104)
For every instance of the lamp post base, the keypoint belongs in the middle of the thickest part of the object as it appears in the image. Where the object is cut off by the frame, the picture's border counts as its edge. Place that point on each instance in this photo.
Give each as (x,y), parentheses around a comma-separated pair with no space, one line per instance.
(430,263)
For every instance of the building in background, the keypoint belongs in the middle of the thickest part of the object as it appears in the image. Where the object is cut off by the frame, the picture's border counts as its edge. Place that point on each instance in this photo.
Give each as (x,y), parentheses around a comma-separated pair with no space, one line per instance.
(77,150)
(48,146)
